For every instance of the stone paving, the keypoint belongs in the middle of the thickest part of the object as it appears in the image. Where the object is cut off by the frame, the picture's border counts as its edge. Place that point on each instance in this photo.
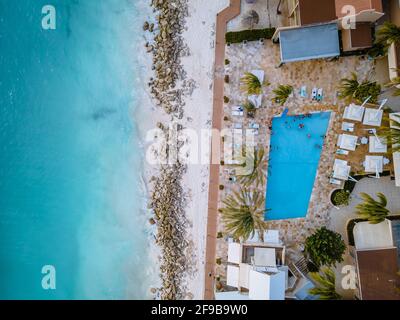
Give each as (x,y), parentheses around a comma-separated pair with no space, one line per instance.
(315,73)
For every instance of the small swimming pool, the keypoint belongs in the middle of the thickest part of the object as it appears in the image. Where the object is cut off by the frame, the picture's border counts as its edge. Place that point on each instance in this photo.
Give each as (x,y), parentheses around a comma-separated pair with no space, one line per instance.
(296,146)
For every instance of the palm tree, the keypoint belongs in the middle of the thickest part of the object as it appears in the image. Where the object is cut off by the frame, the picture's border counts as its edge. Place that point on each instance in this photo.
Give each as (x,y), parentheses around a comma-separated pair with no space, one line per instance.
(282,93)
(372,210)
(243,214)
(250,108)
(251,84)
(388,34)
(351,88)
(348,87)
(253,169)
(325,285)
(392,134)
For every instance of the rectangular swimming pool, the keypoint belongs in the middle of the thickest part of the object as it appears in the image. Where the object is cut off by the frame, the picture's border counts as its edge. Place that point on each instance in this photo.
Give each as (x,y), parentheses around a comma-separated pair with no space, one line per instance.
(296,146)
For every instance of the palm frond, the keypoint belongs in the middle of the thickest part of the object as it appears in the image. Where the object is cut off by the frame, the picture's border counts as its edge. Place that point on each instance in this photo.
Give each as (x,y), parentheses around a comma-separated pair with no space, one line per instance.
(243,213)
(282,93)
(372,210)
(325,288)
(251,84)
(392,134)
(388,34)
(253,168)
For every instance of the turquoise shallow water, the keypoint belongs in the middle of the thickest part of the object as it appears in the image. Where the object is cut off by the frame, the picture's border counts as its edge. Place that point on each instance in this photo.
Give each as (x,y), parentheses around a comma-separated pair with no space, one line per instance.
(69,156)
(296,146)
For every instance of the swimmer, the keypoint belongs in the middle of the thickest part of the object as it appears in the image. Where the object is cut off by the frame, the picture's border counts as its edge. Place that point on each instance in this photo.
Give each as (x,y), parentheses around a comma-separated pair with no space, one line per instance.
(301,126)
(308,136)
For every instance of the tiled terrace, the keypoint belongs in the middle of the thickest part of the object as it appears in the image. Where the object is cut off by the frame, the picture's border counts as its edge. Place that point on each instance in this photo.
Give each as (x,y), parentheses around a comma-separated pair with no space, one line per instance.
(317,73)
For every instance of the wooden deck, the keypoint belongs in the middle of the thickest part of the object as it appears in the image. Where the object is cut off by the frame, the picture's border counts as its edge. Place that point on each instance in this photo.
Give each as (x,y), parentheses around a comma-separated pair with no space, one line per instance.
(222,19)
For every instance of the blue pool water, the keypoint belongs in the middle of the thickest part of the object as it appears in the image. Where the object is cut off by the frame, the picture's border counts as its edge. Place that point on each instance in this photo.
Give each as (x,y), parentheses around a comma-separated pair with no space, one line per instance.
(293,164)
(69,156)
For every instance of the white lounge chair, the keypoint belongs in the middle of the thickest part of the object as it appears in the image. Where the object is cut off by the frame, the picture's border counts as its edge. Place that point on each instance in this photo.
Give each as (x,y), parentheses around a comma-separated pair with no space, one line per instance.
(320,94)
(348,126)
(314,93)
(303,92)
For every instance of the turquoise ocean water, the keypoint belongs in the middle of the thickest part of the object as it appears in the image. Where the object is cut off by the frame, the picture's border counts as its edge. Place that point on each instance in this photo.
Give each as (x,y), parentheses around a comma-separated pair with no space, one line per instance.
(69,156)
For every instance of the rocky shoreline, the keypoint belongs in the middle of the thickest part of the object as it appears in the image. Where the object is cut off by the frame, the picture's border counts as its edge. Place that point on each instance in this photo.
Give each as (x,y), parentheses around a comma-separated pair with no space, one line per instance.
(168,87)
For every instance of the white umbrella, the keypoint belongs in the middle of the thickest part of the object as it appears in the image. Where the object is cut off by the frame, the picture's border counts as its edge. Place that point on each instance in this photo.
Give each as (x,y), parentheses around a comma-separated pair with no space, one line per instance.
(348,142)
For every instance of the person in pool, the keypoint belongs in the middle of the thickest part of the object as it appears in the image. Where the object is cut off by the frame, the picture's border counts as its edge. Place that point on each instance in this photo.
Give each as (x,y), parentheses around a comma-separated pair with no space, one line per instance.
(301,126)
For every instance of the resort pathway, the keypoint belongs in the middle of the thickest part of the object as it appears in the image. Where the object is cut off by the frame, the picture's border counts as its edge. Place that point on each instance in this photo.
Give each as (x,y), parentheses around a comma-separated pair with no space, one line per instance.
(222,19)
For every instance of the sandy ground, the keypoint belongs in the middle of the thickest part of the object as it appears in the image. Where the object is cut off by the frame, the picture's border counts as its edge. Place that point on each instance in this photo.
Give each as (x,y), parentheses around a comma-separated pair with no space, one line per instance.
(199,37)
(199,66)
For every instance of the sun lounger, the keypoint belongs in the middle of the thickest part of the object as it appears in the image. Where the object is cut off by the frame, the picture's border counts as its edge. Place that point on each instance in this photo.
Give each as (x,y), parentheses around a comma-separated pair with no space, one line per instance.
(348,126)
(320,94)
(314,93)
(254,125)
(342,152)
(335,181)
(237,126)
(303,92)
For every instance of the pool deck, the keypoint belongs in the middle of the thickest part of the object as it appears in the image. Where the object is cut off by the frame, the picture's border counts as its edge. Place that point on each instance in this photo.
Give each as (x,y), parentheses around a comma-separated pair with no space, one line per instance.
(316,73)
(222,19)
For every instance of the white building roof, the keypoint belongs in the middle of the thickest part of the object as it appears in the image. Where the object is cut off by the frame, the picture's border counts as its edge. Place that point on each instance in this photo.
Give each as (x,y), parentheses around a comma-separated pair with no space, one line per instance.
(232,276)
(265,286)
(373,236)
(234,253)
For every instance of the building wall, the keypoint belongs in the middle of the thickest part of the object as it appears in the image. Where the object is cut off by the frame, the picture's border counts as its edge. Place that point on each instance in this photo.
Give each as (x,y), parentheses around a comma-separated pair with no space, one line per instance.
(360,5)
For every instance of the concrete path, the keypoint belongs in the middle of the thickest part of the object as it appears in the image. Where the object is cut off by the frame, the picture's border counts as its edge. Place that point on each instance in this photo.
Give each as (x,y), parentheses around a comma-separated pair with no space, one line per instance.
(222,19)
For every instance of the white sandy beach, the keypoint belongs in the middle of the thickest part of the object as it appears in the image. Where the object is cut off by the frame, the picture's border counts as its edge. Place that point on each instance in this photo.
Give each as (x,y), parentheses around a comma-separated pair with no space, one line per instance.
(198,111)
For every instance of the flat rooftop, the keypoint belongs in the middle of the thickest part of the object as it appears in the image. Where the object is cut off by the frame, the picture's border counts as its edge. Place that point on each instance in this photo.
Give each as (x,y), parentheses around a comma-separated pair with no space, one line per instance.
(377,272)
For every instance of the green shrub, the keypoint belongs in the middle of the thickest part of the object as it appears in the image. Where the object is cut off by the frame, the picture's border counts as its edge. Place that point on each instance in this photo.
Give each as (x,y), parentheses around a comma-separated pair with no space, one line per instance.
(220,235)
(218,261)
(341,198)
(226,78)
(221,187)
(249,35)
(325,247)
(226,99)
(227,62)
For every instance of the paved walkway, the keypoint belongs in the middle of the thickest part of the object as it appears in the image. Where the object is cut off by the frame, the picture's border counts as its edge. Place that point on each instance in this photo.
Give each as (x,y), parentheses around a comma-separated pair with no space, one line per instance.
(222,19)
